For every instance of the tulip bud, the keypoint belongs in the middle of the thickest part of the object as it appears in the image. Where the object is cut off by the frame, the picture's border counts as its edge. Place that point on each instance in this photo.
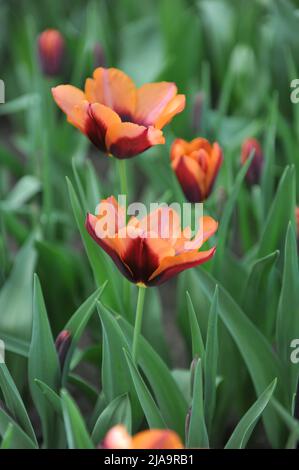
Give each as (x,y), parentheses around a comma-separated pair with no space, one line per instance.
(51,51)
(99,56)
(253,174)
(117,438)
(62,343)
(196,165)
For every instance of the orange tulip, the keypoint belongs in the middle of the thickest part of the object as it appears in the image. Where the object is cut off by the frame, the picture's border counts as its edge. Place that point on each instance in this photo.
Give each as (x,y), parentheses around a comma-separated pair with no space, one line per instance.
(196,165)
(50,50)
(253,174)
(119,438)
(149,251)
(117,117)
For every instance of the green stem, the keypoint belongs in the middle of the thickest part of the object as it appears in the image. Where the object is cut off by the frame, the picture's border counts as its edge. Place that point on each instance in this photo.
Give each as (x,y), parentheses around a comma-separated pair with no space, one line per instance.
(138,321)
(122,176)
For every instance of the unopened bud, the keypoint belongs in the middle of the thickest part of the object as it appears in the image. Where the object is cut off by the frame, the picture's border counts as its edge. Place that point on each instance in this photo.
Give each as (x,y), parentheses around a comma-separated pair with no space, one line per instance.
(51,51)
(254,172)
(62,343)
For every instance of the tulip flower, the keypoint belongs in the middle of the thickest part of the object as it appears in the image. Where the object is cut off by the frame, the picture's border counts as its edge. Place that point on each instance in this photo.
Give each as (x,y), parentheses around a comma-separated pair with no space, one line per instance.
(253,174)
(51,51)
(118,438)
(117,117)
(196,165)
(150,251)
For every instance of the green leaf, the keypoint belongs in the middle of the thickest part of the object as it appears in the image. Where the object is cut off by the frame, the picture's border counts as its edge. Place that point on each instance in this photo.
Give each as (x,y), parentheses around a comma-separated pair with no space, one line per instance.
(101,265)
(113,358)
(76,432)
(42,363)
(16,301)
(267,182)
(19,439)
(197,434)
(257,353)
(281,212)
(20,104)
(257,287)
(117,412)
(151,411)
(244,428)
(210,362)
(52,397)
(173,408)
(76,325)
(86,387)
(224,227)
(14,402)
(7,437)
(198,349)
(23,191)
(288,308)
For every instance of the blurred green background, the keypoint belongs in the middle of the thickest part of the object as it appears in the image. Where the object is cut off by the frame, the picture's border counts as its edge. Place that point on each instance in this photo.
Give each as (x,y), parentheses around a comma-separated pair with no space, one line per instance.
(234,60)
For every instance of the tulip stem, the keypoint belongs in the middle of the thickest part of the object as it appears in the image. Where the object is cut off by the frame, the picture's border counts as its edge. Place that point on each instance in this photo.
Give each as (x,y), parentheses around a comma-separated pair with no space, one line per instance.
(122,176)
(138,321)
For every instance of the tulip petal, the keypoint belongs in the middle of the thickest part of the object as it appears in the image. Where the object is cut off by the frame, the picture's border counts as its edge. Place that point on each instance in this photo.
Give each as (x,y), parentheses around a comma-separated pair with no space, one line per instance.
(100,117)
(152,100)
(207,227)
(214,166)
(157,439)
(113,88)
(165,222)
(188,174)
(173,265)
(176,106)
(143,255)
(117,438)
(126,139)
(112,246)
(67,97)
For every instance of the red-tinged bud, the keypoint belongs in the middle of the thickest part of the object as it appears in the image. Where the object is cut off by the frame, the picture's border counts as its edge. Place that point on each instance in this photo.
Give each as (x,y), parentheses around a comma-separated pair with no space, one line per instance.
(62,343)
(99,56)
(254,172)
(51,51)
(196,165)
(197,112)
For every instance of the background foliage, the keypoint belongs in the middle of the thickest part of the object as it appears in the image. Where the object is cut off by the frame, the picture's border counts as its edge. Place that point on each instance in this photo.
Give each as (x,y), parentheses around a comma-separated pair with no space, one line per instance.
(238,313)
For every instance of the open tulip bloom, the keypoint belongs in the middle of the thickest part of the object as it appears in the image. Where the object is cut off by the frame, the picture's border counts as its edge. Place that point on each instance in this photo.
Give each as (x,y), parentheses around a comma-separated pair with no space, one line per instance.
(152,250)
(149,251)
(196,165)
(117,117)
